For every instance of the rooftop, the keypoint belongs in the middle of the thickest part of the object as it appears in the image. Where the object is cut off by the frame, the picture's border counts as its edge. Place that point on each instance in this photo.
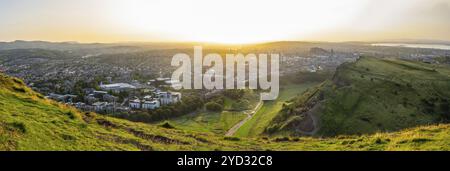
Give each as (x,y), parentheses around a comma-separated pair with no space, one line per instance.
(117,85)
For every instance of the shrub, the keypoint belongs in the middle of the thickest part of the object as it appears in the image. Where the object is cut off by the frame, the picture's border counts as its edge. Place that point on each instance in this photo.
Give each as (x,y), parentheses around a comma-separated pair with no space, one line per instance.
(68,137)
(167,125)
(18,81)
(232,138)
(90,114)
(378,141)
(241,104)
(420,140)
(234,94)
(381,141)
(219,100)
(19,89)
(281,139)
(271,129)
(213,106)
(19,126)
(296,139)
(71,114)
(40,96)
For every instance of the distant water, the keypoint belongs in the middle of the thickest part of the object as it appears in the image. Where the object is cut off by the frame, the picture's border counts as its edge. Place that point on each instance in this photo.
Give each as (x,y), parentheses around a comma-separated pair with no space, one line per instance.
(411,45)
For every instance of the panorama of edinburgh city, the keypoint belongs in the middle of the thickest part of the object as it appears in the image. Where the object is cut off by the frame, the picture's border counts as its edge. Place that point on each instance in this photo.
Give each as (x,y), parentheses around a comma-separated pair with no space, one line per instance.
(224,75)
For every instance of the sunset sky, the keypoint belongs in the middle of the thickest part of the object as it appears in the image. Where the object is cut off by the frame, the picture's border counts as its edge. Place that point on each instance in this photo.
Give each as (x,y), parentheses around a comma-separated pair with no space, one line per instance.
(223,21)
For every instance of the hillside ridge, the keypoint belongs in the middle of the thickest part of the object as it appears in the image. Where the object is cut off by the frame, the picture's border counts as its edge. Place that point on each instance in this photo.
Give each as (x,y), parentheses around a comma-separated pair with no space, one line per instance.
(368,96)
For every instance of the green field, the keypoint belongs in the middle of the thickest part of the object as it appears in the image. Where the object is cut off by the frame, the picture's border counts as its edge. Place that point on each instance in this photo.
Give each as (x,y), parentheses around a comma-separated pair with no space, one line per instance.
(269,110)
(215,122)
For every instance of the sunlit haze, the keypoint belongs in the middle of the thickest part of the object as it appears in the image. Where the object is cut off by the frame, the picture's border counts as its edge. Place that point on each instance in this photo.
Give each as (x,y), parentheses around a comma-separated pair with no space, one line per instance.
(223,21)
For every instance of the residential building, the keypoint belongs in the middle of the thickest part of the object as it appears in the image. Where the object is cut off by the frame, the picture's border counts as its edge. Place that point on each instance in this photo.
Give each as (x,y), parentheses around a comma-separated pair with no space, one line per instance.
(135,104)
(117,87)
(154,104)
(168,97)
(100,106)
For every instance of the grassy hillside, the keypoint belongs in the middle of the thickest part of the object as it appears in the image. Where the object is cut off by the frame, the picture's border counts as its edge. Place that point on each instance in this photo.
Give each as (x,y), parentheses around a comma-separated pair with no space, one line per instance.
(368,96)
(435,137)
(30,122)
(269,110)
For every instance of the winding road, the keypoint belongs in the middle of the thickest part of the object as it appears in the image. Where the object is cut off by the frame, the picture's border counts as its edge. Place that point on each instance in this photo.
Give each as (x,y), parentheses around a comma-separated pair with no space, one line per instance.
(313,119)
(249,116)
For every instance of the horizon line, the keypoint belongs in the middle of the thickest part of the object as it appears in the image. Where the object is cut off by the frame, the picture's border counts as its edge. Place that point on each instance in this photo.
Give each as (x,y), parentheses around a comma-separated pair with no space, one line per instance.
(426,41)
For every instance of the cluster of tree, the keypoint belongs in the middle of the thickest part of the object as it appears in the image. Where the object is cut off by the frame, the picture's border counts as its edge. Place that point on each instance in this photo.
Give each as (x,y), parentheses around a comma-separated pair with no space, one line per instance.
(241,104)
(137,75)
(437,106)
(443,59)
(82,84)
(215,104)
(239,99)
(121,95)
(234,93)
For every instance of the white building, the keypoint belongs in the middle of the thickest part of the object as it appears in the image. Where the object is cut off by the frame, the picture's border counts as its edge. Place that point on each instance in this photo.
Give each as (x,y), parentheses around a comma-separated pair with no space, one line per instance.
(148,98)
(173,83)
(117,87)
(168,97)
(100,106)
(135,104)
(151,104)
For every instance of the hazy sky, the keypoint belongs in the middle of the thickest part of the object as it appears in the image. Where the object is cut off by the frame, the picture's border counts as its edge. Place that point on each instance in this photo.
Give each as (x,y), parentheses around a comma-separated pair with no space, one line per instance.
(226,21)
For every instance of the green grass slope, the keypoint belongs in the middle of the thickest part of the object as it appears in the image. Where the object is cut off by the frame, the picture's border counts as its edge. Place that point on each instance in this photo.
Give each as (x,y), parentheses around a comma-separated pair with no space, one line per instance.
(28,121)
(370,95)
(261,119)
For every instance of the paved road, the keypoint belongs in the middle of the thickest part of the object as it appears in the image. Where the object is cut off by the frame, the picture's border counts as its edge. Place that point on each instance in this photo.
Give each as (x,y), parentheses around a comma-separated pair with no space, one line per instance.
(249,116)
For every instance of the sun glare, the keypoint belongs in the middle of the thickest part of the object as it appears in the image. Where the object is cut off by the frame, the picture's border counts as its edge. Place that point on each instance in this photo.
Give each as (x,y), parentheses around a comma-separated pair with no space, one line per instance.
(228,21)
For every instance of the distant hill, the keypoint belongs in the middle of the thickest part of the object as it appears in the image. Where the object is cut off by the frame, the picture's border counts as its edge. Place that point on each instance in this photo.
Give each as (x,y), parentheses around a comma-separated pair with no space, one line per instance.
(21,44)
(318,51)
(368,96)
(28,121)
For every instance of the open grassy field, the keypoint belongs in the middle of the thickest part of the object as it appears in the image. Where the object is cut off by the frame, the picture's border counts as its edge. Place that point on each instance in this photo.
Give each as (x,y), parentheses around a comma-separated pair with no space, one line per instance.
(204,121)
(216,122)
(269,110)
